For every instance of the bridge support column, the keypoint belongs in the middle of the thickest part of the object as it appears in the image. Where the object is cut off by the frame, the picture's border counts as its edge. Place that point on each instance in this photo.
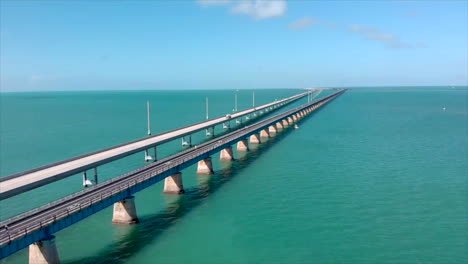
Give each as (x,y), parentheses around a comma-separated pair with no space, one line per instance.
(173,184)
(125,212)
(44,252)
(294,117)
(264,133)
(188,142)
(272,129)
(285,123)
(290,120)
(243,146)
(279,126)
(205,167)
(226,154)
(255,139)
(209,133)
(148,157)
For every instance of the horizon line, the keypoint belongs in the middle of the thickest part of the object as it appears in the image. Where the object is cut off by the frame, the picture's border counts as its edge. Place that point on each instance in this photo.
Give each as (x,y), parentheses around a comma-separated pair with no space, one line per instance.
(220,89)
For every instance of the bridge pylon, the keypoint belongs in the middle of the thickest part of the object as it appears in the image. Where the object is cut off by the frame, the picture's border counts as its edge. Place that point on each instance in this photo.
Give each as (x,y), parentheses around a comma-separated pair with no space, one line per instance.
(226,154)
(44,252)
(243,145)
(255,139)
(173,184)
(125,212)
(205,167)
(264,133)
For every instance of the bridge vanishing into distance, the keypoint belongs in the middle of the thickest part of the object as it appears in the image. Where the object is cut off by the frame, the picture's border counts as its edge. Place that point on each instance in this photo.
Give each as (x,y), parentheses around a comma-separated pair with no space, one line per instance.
(35,228)
(18,183)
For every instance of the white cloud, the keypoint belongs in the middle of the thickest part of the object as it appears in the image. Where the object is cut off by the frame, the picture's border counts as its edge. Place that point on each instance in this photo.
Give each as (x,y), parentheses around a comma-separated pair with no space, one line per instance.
(213,2)
(261,9)
(372,33)
(303,23)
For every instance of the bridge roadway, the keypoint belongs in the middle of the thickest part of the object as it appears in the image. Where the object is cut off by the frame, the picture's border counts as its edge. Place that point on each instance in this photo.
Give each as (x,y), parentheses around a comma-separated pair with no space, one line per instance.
(20,231)
(21,182)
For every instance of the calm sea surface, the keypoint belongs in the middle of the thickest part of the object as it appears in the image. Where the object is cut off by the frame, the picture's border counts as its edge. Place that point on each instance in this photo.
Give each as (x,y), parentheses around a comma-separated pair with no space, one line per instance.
(379,175)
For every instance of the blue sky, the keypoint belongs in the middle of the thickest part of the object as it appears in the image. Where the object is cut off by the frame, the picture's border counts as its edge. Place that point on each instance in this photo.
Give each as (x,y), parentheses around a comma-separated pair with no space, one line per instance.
(223,44)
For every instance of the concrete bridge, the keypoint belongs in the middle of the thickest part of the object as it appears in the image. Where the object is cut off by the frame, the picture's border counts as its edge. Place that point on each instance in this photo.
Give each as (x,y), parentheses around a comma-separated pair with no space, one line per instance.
(36,227)
(21,182)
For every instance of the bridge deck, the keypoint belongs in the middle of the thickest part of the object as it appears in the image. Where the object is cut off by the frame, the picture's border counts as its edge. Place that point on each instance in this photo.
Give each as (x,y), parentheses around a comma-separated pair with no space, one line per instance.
(21,182)
(20,231)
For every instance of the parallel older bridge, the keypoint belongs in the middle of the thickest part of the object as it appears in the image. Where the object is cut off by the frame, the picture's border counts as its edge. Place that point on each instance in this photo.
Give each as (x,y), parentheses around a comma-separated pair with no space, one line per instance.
(35,228)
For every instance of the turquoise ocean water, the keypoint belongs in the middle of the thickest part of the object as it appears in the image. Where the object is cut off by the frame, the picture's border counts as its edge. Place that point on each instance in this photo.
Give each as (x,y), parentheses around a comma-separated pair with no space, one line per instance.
(379,175)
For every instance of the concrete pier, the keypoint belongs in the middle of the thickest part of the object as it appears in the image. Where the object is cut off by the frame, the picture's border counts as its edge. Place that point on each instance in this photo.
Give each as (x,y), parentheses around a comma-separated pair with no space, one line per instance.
(226,154)
(173,184)
(243,145)
(279,126)
(290,120)
(205,167)
(273,129)
(255,139)
(125,212)
(285,123)
(44,252)
(264,133)
(294,117)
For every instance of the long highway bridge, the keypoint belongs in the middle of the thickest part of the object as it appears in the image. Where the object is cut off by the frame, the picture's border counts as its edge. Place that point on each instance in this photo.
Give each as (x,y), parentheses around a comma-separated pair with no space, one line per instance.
(35,228)
(21,182)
